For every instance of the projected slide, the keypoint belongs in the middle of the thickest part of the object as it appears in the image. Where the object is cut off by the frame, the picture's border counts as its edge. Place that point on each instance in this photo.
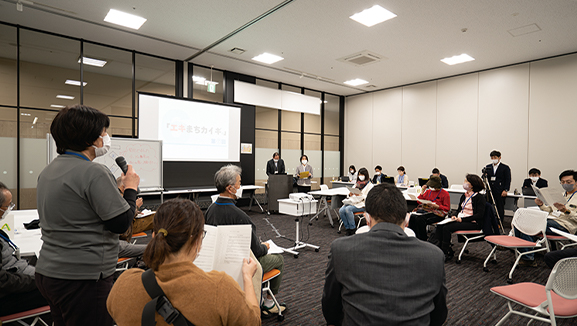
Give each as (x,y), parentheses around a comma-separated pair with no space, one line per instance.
(190,130)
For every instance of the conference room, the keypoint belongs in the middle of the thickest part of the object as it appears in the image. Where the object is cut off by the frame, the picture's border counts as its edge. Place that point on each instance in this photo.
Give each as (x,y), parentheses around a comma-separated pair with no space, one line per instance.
(367,96)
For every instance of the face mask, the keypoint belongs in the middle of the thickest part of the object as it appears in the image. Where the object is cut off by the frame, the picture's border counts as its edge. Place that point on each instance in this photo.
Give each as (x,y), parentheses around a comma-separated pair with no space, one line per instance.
(466,186)
(567,187)
(362,177)
(275,161)
(352,171)
(7,211)
(238,192)
(304,162)
(432,189)
(495,161)
(534,179)
(378,173)
(100,151)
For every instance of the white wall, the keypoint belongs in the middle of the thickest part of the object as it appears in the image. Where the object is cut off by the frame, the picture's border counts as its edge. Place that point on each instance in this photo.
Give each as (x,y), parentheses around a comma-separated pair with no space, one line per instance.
(526,111)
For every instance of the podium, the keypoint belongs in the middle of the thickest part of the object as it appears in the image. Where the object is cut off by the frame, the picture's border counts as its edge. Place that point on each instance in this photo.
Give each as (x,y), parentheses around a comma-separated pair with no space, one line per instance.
(279,186)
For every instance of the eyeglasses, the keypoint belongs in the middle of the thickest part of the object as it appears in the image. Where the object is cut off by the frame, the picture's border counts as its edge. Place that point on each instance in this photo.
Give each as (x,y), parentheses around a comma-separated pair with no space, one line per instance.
(10,206)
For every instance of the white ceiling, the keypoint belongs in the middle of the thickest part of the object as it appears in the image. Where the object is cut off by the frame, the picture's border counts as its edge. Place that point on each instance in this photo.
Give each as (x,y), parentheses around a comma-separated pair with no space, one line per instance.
(312,35)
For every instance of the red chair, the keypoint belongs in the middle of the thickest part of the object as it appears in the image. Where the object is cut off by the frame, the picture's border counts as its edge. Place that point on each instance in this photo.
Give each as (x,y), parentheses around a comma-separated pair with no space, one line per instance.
(468,235)
(27,314)
(266,278)
(557,299)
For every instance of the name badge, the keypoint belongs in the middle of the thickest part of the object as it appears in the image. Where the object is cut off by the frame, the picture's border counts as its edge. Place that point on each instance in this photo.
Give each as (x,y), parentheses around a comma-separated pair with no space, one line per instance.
(556,213)
(493,178)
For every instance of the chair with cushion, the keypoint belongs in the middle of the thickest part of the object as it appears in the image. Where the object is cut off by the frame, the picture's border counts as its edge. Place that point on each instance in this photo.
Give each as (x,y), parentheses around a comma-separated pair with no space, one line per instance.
(528,221)
(557,299)
(490,227)
(19,317)
(266,278)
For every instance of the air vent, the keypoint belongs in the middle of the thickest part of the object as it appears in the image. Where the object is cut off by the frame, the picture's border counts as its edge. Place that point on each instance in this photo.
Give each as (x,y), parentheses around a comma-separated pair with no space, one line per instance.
(371,86)
(237,50)
(362,58)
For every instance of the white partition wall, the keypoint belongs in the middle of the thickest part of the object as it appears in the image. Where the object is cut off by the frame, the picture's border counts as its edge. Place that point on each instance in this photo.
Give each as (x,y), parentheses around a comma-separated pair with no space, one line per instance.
(526,111)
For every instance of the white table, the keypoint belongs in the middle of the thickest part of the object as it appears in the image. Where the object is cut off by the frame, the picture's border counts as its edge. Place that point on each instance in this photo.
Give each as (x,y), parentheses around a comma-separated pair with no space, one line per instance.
(195,193)
(29,241)
(324,206)
(342,184)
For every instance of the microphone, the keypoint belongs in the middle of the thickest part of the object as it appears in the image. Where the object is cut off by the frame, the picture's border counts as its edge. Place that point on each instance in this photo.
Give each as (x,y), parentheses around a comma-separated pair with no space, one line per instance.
(122,164)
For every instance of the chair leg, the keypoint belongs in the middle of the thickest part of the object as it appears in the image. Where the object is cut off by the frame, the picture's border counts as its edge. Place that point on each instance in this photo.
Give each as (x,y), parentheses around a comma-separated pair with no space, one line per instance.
(506,315)
(489,257)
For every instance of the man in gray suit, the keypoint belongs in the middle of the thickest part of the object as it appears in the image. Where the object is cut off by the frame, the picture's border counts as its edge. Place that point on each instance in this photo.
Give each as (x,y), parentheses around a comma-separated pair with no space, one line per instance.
(384,277)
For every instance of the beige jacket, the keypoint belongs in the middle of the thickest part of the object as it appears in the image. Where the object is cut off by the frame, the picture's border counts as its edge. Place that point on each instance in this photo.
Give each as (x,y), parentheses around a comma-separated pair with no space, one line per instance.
(568,221)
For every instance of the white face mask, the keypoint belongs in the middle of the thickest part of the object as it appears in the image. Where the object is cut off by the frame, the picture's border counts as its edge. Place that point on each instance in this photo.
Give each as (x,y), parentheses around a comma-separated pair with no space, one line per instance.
(304,162)
(467,186)
(238,192)
(495,161)
(106,142)
(7,211)
(378,173)
(534,179)
(362,177)
(275,160)
(432,189)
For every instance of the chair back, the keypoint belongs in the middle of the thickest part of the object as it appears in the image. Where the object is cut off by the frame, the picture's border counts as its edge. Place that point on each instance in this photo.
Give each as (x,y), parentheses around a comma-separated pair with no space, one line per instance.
(562,279)
(530,221)
(324,187)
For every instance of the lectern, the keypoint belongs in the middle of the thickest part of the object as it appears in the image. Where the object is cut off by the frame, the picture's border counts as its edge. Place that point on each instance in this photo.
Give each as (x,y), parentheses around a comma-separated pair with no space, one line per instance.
(279,186)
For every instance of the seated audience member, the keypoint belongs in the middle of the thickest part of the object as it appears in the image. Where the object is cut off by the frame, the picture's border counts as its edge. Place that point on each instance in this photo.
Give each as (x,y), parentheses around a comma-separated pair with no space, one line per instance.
(304,184)
(224,212)
(427,214)
(138,224)
(551,258)
(470,214)
(379,175)
(563,216)
(18,291)
(402,179)
(535,180)
(212,298)
(384,277)
(355,203)
(444,180)
(352,174)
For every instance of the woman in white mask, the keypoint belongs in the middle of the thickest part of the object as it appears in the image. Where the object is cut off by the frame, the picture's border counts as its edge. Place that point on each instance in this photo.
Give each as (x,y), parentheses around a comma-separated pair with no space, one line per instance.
(81,214)
(352,174)
(202,298)
(355,202)
(304,174)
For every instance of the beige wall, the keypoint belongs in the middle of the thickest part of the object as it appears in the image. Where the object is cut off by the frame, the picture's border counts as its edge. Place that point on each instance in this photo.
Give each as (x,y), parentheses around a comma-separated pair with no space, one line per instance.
(526,111)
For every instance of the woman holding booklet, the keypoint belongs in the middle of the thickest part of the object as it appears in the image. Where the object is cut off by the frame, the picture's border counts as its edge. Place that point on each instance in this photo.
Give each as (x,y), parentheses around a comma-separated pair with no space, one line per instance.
(212,298)
(470,214)
(356,201)
(304,174)
(435,203)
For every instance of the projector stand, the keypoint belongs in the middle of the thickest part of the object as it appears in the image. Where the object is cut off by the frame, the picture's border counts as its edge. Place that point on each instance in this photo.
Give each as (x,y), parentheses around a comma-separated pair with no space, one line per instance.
(299,244)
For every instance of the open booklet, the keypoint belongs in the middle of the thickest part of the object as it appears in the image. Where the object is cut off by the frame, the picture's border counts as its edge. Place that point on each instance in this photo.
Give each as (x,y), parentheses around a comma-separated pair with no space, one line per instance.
(224,248)
(549,196)
(354,191)
(304,175)
(422,201)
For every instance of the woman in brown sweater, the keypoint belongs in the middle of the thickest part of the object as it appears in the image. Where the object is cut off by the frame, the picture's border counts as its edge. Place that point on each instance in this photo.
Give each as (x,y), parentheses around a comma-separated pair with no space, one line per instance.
(212,298)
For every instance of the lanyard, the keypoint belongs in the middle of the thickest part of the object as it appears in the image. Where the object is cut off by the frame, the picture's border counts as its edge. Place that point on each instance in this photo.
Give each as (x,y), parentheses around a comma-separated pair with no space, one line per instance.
(76,154)
(224,204)
(568,200)
(9,241)
(466,201)
(429,196)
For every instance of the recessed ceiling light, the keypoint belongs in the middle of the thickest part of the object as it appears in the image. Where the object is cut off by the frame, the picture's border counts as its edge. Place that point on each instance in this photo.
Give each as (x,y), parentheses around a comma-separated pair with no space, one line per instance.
(267,58)
(65,97)
(372,16)
(57,106)
(356,82)
(92,62)
(458,59)
(124,19)
(35,120)
(74,82)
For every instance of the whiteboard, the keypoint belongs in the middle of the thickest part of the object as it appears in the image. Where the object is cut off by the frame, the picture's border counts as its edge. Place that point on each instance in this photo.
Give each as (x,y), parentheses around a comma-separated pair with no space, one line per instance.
(145,156)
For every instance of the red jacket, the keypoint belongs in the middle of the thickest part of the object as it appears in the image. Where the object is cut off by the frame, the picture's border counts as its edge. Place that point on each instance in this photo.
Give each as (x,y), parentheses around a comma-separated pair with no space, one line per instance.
(439,197)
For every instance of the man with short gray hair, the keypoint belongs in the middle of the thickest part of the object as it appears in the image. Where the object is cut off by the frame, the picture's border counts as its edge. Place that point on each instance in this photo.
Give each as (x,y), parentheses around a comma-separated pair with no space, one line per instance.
(224,212)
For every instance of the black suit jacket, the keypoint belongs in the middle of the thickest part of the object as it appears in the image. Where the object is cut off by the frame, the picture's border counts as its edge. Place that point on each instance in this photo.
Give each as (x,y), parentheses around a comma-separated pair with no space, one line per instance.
(383,176)
(527,190)
(444,180)
(366,273)
(270,167)
(502,177)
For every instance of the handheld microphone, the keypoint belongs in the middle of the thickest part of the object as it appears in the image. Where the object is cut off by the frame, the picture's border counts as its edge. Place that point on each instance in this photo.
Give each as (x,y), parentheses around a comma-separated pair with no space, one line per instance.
(122,164)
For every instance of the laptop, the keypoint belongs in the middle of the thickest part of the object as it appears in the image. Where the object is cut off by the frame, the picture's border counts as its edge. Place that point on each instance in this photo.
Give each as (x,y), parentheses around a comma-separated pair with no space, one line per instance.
(345,179)
(423,181)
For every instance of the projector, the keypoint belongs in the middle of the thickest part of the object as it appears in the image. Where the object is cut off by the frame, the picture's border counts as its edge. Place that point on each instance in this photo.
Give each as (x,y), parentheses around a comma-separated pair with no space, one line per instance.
(299,196)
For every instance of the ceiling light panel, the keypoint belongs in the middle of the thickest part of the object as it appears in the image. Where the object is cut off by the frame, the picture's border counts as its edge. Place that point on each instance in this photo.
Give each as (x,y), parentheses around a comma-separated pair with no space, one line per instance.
(92,62)
(356,82)
(65,97)
(57,106)
(124,19)
(74,82)
(458,59)
(372,16)
(267,58)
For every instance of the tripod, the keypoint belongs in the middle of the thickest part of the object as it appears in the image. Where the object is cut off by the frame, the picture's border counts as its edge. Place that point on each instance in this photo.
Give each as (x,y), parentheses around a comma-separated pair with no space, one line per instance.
(490,191)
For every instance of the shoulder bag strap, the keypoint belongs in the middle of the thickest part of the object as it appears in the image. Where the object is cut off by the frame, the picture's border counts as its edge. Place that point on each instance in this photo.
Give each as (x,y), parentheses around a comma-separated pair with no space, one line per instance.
(156,293)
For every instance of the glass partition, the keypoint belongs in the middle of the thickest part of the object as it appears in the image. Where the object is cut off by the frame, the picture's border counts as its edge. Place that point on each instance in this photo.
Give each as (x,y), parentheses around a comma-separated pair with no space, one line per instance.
(312,149)
(332,157)
(200,77)
(8,65)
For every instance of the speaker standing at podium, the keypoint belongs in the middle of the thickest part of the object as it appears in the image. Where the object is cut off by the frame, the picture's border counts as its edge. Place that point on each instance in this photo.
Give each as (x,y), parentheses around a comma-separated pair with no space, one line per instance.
(275,165)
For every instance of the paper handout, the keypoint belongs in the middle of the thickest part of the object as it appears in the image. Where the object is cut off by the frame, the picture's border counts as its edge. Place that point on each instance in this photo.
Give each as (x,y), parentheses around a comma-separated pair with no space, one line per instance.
(304,175)
(549,196)
(274,249)
(355,191)
(224,248)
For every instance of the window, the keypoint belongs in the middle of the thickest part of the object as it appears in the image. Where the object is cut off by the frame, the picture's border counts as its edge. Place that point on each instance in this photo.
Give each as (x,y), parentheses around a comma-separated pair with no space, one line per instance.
(8,65)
